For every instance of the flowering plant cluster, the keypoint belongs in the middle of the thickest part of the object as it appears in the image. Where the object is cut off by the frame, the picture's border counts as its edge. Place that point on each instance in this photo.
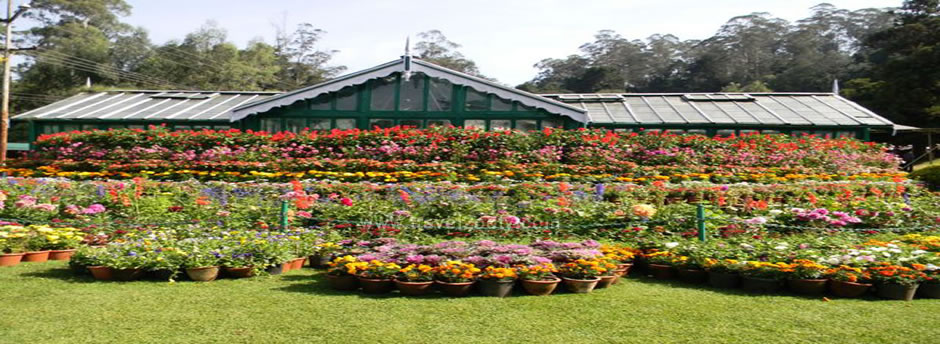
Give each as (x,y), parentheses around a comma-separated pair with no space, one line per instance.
(456,272)
(499,274)
(586,268)
(15,238)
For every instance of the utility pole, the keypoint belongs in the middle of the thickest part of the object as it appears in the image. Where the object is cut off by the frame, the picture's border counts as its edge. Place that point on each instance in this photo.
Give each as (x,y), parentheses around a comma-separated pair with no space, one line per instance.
(7,54)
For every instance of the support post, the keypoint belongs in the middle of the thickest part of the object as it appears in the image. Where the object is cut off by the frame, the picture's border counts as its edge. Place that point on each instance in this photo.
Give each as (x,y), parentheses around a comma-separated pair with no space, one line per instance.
(700,219)
(5,107)
(284,209)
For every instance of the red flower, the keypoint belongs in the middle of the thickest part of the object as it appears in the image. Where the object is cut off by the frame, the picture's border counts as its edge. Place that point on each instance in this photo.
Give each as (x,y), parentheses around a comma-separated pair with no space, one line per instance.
(346,201)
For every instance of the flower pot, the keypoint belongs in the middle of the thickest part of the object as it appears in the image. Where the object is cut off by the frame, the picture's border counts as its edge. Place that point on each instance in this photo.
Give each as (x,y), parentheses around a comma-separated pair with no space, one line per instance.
(275,269)
(101,273)
(848,289)
(760,285)
(318,262)
(10,259)
(695,276)
(619,273)
(724,280)
(929,290)
(343,282)
(497,288)
(807,286)
(287,266)
(203,274)
(61,254)
(376,286)
(663,272)
(413,288)
(540,288)
(625,267)
(125,275)
(36,256)
(298,263)
(579,286)
(78,269)
(455,289)
(239,272)
(896,291)
(606,281)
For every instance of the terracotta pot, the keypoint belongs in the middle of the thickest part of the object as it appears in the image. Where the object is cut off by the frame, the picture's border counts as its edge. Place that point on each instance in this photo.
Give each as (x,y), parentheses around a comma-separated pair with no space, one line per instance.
(36,256)
(455,289)
(203,274)
(125,275)
(540,288)
(807,286)
(929,290)
(298,263)
(661,271)
(61,254)
(287,266)
(896,291)
(413,288)
(275,269)
(606,281)
(101,273)
(343,282)
(695,276)
(579,286)
(239,272)
(760,285)
(620,273)
(625,267)
(376,286)
(10,259)
(491,287)
(848,289)
(724,280)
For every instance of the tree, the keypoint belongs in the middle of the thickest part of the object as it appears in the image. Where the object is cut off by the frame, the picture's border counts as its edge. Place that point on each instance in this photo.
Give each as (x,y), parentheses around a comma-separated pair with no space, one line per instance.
(434,47)
(905,66)
(302,63)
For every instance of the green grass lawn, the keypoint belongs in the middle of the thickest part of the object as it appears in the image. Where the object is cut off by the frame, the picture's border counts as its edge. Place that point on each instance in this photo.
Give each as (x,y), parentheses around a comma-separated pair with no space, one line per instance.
(45,303)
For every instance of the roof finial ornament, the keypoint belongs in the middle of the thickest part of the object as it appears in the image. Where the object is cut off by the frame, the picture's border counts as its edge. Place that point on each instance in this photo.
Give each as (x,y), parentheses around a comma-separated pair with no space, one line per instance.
(406,59)
(835,86)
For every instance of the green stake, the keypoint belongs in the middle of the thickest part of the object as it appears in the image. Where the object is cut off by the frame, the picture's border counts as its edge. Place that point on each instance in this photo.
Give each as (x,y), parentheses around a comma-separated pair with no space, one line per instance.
(283,215)
(700,217)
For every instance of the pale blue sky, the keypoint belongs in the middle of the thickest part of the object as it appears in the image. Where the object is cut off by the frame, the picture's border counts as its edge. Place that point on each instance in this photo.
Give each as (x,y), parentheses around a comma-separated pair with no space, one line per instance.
(504,37)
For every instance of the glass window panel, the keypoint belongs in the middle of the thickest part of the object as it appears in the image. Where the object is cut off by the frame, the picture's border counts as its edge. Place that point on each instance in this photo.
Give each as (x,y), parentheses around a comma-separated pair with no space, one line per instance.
(747,131)
(500,104)
(383,94)
(271,125)
(295,125)
(696,131)
(438,122)
(823,133)
(19,132)
(140,126)
(318,123)
(221,127)
(772,132)
(623,130)
(410,122)
(474,123)
(381,123)
(411,94)
(527,124)
(551,123)
(476,101)
(70,127)
(321,102)
(89,126)
(181,127)
(200,127)
(441,94)
(345,123)
(724,132)
(346,99)
(500,124)
(799,133)
(849,134)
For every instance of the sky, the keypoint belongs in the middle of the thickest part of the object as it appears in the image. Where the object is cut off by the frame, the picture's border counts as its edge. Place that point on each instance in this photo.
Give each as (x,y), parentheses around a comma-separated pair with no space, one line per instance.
(505,38)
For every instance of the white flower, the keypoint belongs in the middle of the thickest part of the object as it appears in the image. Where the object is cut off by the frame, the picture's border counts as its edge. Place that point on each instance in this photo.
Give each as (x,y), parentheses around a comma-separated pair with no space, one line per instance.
(780,247)
(746,246)
(892,245)
(895,250)
(918,252)
(932,267)
(886,254)
(833,261)
(775,212)
(671,244)
(879,249)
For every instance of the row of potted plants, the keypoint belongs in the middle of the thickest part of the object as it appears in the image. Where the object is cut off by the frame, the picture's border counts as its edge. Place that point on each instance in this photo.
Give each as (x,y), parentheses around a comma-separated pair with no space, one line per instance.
(37,243)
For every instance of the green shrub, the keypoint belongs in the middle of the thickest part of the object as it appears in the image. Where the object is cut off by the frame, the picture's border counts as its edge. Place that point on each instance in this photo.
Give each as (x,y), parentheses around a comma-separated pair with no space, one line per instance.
(930,175)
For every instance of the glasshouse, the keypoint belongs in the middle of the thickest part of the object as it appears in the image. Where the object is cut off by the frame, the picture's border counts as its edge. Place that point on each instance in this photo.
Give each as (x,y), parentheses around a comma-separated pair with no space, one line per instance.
(412,92)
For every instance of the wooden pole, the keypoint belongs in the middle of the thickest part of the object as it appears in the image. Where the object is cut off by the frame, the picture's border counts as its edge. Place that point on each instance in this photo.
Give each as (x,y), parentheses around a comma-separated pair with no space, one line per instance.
(5,107)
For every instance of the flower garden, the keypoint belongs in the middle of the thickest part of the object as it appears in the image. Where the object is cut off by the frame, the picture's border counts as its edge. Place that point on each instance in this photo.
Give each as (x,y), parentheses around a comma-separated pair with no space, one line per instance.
(448,212)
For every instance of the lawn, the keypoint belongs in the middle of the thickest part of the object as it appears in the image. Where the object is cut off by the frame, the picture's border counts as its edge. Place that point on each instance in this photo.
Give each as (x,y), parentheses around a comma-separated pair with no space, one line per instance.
(45,303)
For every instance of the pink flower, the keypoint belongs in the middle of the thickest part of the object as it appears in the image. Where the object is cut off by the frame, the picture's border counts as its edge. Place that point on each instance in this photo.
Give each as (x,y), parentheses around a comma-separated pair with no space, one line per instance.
(94,209)
(346,201)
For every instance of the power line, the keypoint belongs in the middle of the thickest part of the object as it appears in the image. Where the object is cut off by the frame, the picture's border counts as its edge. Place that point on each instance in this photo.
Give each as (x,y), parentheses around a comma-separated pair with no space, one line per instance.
(102,68)
(91,68)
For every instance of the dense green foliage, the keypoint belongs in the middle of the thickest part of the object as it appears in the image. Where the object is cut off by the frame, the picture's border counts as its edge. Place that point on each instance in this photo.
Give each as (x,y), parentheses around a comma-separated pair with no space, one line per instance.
(930,175)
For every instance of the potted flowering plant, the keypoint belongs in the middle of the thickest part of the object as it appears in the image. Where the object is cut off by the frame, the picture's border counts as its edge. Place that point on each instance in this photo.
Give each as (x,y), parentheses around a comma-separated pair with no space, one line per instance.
(415,279)
(497,281)
(660,264)
(538,279)
(931,286)
(376,277)
(690,263)
(620,255)
(237,263)
(12,245)
(895,281)
(63,242)
(848,281)
(581,276)
(806,277)
(322,254)
(723,273)
(609,276)
(455,278)
(342,273)
(125,262)
(202,265)
(763,277)
(37,244)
